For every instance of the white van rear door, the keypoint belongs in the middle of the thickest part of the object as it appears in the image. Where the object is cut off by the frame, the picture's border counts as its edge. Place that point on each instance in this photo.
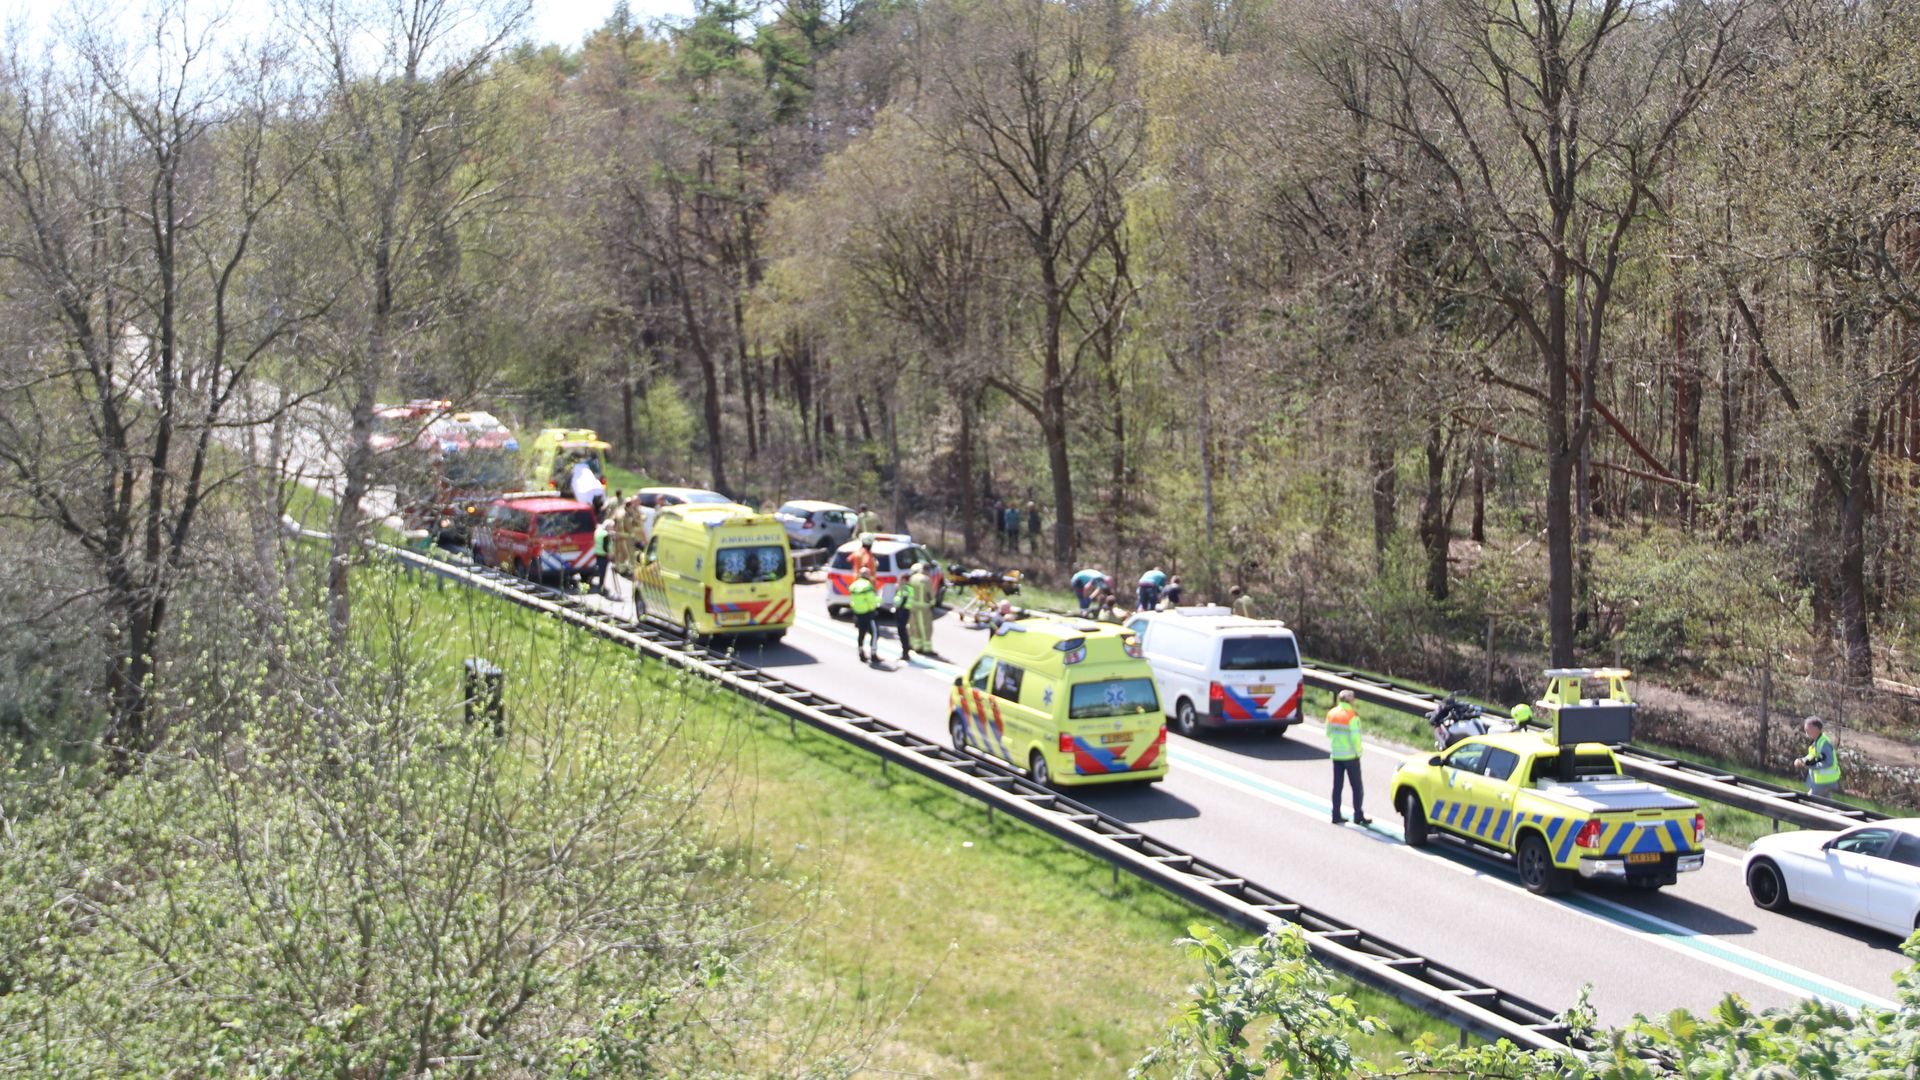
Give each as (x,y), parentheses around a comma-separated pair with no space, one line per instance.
(1260,675)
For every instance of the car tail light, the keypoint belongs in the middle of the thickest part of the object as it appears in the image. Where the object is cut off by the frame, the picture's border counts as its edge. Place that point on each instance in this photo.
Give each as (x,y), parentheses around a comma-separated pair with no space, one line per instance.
(1066,743)
(1588,836)
(709,598)
(1216,699)
(1699,828)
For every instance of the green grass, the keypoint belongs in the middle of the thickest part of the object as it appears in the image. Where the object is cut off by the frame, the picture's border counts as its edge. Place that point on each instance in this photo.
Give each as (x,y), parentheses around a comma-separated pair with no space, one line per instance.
(1003,951)
(624,480)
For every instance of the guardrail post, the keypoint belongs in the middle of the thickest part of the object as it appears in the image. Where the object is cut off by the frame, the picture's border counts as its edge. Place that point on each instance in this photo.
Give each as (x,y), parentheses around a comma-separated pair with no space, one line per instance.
(480,684)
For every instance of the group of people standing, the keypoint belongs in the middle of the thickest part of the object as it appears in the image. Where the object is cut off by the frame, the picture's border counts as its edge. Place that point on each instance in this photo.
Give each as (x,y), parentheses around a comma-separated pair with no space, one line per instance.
(1009,521)
(912,608)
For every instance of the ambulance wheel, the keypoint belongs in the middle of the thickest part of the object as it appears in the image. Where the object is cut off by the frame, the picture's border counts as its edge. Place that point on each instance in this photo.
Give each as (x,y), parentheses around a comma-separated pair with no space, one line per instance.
(1037,769)
(1413,820)
(957,727)
(1537,871)
(1767,887)
(1185,720)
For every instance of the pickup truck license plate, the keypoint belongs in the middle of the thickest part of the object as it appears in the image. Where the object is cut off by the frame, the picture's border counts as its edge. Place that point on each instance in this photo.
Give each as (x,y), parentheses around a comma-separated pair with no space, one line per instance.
(1643,857)
(1261,689)
(1117,738)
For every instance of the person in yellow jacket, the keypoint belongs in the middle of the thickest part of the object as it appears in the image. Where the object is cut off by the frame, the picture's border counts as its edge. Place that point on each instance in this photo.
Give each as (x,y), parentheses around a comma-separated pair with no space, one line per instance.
(1343,746)
(864,600)
(1822,760)
(916,599)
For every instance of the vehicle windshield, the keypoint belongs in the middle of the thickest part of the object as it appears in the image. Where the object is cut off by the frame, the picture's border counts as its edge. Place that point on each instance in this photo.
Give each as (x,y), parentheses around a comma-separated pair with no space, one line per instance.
(566,523)
(481,470)
(1258,654)
(741,565)
(1115,697)
(706,497)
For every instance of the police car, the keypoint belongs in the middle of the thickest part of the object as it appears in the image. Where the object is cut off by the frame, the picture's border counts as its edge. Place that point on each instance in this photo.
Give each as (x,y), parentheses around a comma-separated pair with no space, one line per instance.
(894,555)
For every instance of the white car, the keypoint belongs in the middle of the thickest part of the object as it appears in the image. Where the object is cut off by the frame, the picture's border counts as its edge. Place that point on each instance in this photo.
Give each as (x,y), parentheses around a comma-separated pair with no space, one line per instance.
(811,523)
(1218,670)
(1869,874)
(649,501)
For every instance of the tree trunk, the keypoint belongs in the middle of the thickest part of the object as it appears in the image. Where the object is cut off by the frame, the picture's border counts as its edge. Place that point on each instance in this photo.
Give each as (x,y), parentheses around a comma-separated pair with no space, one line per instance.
(969,513)
(1559,471)
(1383,481)
(1852,583)
(1479,527)
(1435,536)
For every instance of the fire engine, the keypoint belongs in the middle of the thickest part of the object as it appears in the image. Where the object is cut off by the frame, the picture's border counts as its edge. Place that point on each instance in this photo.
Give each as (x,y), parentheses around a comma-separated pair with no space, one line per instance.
(439,460)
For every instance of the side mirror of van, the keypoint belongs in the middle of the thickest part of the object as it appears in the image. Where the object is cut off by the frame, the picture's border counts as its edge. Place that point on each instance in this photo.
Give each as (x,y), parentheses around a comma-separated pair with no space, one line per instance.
(1436,760)
(956,682)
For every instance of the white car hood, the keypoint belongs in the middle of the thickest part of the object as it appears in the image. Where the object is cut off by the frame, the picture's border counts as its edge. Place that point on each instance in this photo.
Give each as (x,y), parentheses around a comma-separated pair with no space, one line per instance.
(1798,842)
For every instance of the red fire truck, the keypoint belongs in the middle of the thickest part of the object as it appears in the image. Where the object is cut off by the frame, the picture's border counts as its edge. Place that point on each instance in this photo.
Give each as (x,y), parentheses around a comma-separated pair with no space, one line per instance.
(439,460)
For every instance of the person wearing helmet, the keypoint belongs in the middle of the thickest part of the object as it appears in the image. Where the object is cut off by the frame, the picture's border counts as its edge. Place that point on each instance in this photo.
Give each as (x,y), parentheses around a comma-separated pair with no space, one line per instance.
(917,602)
(863,560)
(1522,714)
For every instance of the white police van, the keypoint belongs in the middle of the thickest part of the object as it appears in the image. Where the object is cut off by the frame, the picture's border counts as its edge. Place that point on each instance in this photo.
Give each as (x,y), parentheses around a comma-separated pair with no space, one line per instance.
(1218,670)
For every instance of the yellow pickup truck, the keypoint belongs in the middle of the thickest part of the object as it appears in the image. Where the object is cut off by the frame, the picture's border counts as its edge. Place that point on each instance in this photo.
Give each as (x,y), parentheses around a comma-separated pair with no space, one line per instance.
(1555,800)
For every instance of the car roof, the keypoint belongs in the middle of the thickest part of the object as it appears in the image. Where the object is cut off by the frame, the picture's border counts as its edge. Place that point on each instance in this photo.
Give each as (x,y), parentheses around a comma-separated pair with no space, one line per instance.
(1063,628)
(883,543)
(544,504)
(816,504)
(1214,617)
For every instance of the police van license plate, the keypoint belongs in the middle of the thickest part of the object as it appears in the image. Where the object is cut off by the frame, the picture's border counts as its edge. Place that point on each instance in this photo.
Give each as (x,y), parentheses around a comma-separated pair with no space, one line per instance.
(731,618)
(1116,738)
(1261,689)
(1638,857)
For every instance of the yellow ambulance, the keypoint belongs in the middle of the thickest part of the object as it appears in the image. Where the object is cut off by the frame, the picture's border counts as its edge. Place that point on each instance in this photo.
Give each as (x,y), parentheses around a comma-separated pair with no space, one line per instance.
(1071,701)
(716,568)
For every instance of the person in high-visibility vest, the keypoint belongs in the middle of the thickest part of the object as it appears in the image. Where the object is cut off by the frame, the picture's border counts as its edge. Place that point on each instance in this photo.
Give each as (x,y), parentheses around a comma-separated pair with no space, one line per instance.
(1343,746)
(602,547)
(864,600)
(1822,761)
(918,603)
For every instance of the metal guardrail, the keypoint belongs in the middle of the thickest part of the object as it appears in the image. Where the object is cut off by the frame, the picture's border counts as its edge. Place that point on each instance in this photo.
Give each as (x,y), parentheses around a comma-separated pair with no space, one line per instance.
(1421,982)
(1743,792)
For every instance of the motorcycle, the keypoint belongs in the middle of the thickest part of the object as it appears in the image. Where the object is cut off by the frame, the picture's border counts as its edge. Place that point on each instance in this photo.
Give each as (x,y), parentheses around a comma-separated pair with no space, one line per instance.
(1453,720)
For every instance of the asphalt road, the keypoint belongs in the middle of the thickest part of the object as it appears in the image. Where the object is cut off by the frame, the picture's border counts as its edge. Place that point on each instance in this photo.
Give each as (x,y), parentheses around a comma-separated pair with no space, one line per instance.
(1257,804)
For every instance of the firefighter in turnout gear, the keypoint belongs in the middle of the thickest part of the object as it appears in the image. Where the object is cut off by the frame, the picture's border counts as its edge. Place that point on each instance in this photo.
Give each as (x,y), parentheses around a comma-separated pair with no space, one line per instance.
(1822,760)
(916,599)
(1343,746)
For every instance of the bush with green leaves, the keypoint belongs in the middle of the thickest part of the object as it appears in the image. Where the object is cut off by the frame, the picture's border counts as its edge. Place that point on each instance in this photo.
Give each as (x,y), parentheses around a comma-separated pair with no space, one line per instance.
(335,875)
(1267,1010)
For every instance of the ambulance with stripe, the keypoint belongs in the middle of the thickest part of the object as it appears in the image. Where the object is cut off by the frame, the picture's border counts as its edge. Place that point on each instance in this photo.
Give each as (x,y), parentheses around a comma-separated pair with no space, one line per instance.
(716,569)
(1072,702)
(1555,800)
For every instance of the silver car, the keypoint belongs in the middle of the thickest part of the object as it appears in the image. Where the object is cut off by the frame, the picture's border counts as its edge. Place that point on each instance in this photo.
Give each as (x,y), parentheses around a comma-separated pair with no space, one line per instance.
(814,524)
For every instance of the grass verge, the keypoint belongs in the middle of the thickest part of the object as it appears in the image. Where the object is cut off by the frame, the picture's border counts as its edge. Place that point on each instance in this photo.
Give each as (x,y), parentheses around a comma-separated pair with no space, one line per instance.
(997,950)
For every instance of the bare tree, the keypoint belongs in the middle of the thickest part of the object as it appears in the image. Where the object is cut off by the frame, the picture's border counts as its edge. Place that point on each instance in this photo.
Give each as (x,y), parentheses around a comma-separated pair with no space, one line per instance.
(1032,100)
(399,177)
(136,188)
(1547,124)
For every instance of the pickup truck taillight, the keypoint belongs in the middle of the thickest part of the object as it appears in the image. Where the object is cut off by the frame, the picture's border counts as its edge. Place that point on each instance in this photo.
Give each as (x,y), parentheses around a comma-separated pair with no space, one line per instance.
(1699,828)
(1588,836)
